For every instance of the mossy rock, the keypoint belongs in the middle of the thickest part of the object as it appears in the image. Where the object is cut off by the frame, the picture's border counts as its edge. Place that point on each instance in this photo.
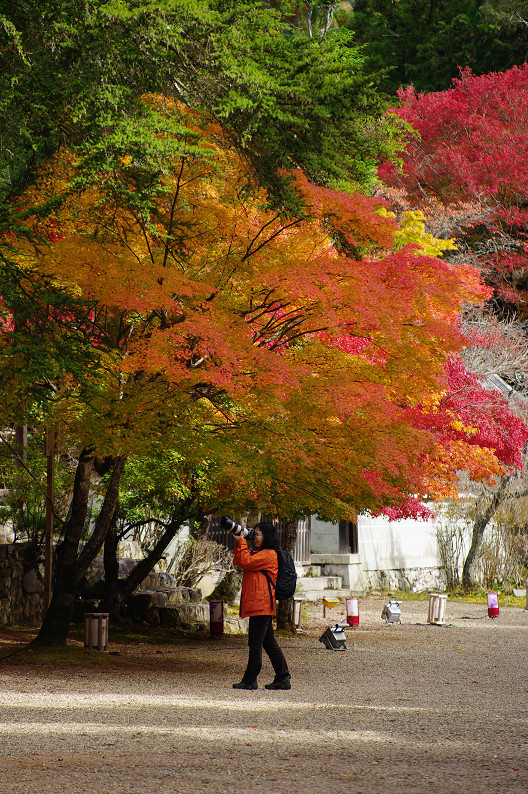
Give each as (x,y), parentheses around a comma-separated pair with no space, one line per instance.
(227,588)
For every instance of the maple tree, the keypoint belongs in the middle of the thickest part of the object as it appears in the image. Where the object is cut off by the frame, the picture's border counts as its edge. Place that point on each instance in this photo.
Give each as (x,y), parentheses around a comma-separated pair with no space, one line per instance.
(279,359)
(466,171)
(475,430)
(283,100)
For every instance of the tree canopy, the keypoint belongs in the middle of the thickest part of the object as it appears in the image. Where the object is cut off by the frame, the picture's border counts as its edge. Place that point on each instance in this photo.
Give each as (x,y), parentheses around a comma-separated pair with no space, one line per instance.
(464,167)
(214,317)
(426,43)
(73,75)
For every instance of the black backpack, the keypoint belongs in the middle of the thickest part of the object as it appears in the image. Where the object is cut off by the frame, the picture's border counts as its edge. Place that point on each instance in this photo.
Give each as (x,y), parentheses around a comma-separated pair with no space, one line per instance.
(286,577)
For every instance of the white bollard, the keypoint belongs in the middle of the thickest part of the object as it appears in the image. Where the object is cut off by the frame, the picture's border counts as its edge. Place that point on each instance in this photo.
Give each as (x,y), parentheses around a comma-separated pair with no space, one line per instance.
(437,608)
(96,630)
(297,612)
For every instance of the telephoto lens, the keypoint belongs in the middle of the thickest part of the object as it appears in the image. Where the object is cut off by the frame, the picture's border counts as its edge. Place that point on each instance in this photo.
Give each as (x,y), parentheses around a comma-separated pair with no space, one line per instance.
(232,526)
(237,529)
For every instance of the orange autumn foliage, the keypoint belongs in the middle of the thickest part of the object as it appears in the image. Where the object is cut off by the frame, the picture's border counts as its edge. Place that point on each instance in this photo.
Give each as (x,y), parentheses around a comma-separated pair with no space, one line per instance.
(220,327)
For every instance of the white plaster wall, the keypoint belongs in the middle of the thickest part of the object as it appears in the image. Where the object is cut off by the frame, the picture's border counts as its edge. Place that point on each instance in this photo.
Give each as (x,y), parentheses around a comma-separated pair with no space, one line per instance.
(324,537)
(406,543)
(393,554)
(383,544)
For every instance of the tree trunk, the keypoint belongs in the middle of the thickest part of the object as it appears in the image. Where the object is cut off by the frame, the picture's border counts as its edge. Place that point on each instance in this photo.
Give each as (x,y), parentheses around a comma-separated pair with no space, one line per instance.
(111,601)
(54,629)
(135,577)
(285,615)
(104,519)
(483,516)
(72,566)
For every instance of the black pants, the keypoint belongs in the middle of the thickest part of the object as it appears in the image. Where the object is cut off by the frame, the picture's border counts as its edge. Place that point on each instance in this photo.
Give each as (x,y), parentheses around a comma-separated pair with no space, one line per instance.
(261,636)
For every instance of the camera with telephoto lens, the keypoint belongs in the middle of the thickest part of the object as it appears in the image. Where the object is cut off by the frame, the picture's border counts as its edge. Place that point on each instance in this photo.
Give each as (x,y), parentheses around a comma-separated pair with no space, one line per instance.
(237,529)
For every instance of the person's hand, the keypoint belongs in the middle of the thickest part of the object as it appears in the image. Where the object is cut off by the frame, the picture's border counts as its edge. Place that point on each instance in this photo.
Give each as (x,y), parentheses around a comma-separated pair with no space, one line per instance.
(240,532)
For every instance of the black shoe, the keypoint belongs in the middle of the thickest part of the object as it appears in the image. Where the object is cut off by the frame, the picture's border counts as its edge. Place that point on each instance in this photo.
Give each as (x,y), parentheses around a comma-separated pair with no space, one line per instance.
(246,685)
(282,683)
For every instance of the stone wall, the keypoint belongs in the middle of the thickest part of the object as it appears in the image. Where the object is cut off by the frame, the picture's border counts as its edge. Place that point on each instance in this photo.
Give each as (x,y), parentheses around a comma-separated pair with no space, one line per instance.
(21,589)
(415,580)
(158,600)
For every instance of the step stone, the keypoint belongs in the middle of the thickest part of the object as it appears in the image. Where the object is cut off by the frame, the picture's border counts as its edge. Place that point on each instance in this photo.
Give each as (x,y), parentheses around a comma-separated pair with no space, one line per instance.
(320,582)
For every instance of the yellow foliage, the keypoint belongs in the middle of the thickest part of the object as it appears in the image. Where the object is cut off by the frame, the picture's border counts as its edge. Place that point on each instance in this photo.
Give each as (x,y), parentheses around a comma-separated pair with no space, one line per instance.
(456,424)
(412,230)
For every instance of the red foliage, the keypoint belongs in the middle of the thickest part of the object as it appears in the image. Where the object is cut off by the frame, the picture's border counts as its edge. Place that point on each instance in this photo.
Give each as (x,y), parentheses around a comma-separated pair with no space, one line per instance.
(486,418)
(472,138)
(467,169)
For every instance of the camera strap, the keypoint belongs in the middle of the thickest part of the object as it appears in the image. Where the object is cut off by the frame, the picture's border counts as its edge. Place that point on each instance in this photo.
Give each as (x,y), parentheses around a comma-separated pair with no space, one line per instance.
(270,584)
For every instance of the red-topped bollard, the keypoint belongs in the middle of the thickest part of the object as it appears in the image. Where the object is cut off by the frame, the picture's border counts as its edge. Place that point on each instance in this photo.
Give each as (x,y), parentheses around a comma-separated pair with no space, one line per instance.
(493,605)
(352,608)
(216,618)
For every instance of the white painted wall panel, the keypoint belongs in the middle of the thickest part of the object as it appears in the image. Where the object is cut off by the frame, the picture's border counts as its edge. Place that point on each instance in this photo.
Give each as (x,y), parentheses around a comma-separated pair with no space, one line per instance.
(406,543)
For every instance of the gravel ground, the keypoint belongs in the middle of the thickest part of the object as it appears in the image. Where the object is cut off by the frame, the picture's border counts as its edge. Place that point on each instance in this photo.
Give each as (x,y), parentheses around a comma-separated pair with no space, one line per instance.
(407,708)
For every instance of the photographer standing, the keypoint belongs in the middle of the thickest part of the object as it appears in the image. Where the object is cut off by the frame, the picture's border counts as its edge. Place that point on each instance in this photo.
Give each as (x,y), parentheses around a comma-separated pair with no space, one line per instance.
(258,602)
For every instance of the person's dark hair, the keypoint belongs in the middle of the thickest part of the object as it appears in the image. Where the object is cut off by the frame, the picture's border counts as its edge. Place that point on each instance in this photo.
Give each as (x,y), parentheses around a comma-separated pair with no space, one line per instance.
(270,540)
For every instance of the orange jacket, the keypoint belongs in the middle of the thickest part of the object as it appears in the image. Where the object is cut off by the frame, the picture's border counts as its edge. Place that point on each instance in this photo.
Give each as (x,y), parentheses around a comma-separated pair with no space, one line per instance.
(255,598)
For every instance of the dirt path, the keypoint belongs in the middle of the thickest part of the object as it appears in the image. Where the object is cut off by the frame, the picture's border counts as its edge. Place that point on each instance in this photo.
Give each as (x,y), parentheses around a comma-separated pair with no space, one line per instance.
(407,708)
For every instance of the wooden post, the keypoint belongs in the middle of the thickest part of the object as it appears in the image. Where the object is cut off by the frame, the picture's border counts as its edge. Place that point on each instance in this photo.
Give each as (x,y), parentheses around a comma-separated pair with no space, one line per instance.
(21,444)
(48,536)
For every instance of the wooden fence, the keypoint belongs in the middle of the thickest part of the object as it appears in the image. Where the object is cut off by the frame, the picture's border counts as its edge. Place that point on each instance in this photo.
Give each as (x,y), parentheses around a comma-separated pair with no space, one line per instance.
(301,553)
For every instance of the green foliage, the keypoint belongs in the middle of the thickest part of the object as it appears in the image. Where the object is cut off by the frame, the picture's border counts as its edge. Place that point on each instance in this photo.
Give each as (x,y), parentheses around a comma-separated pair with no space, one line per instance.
(74,74)
(426,42)
(23,477)
(47,344)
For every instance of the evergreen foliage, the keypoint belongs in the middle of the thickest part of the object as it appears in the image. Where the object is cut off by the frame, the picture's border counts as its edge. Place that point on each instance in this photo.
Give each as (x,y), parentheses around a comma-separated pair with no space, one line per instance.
(73,74)
(427,42)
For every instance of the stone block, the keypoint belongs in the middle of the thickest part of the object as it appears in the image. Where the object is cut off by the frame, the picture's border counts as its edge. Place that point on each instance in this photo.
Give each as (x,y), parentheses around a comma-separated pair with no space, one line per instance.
(194,612)
(159,581)
(150,582)
(31,582)
(178,595)
(236,625)
(170,617)
(142,603)
(94,573)
(183,615)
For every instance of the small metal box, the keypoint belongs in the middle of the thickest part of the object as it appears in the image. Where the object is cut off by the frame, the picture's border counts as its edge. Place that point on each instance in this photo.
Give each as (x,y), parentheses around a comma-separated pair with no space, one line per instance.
(334,638)
(392,612)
